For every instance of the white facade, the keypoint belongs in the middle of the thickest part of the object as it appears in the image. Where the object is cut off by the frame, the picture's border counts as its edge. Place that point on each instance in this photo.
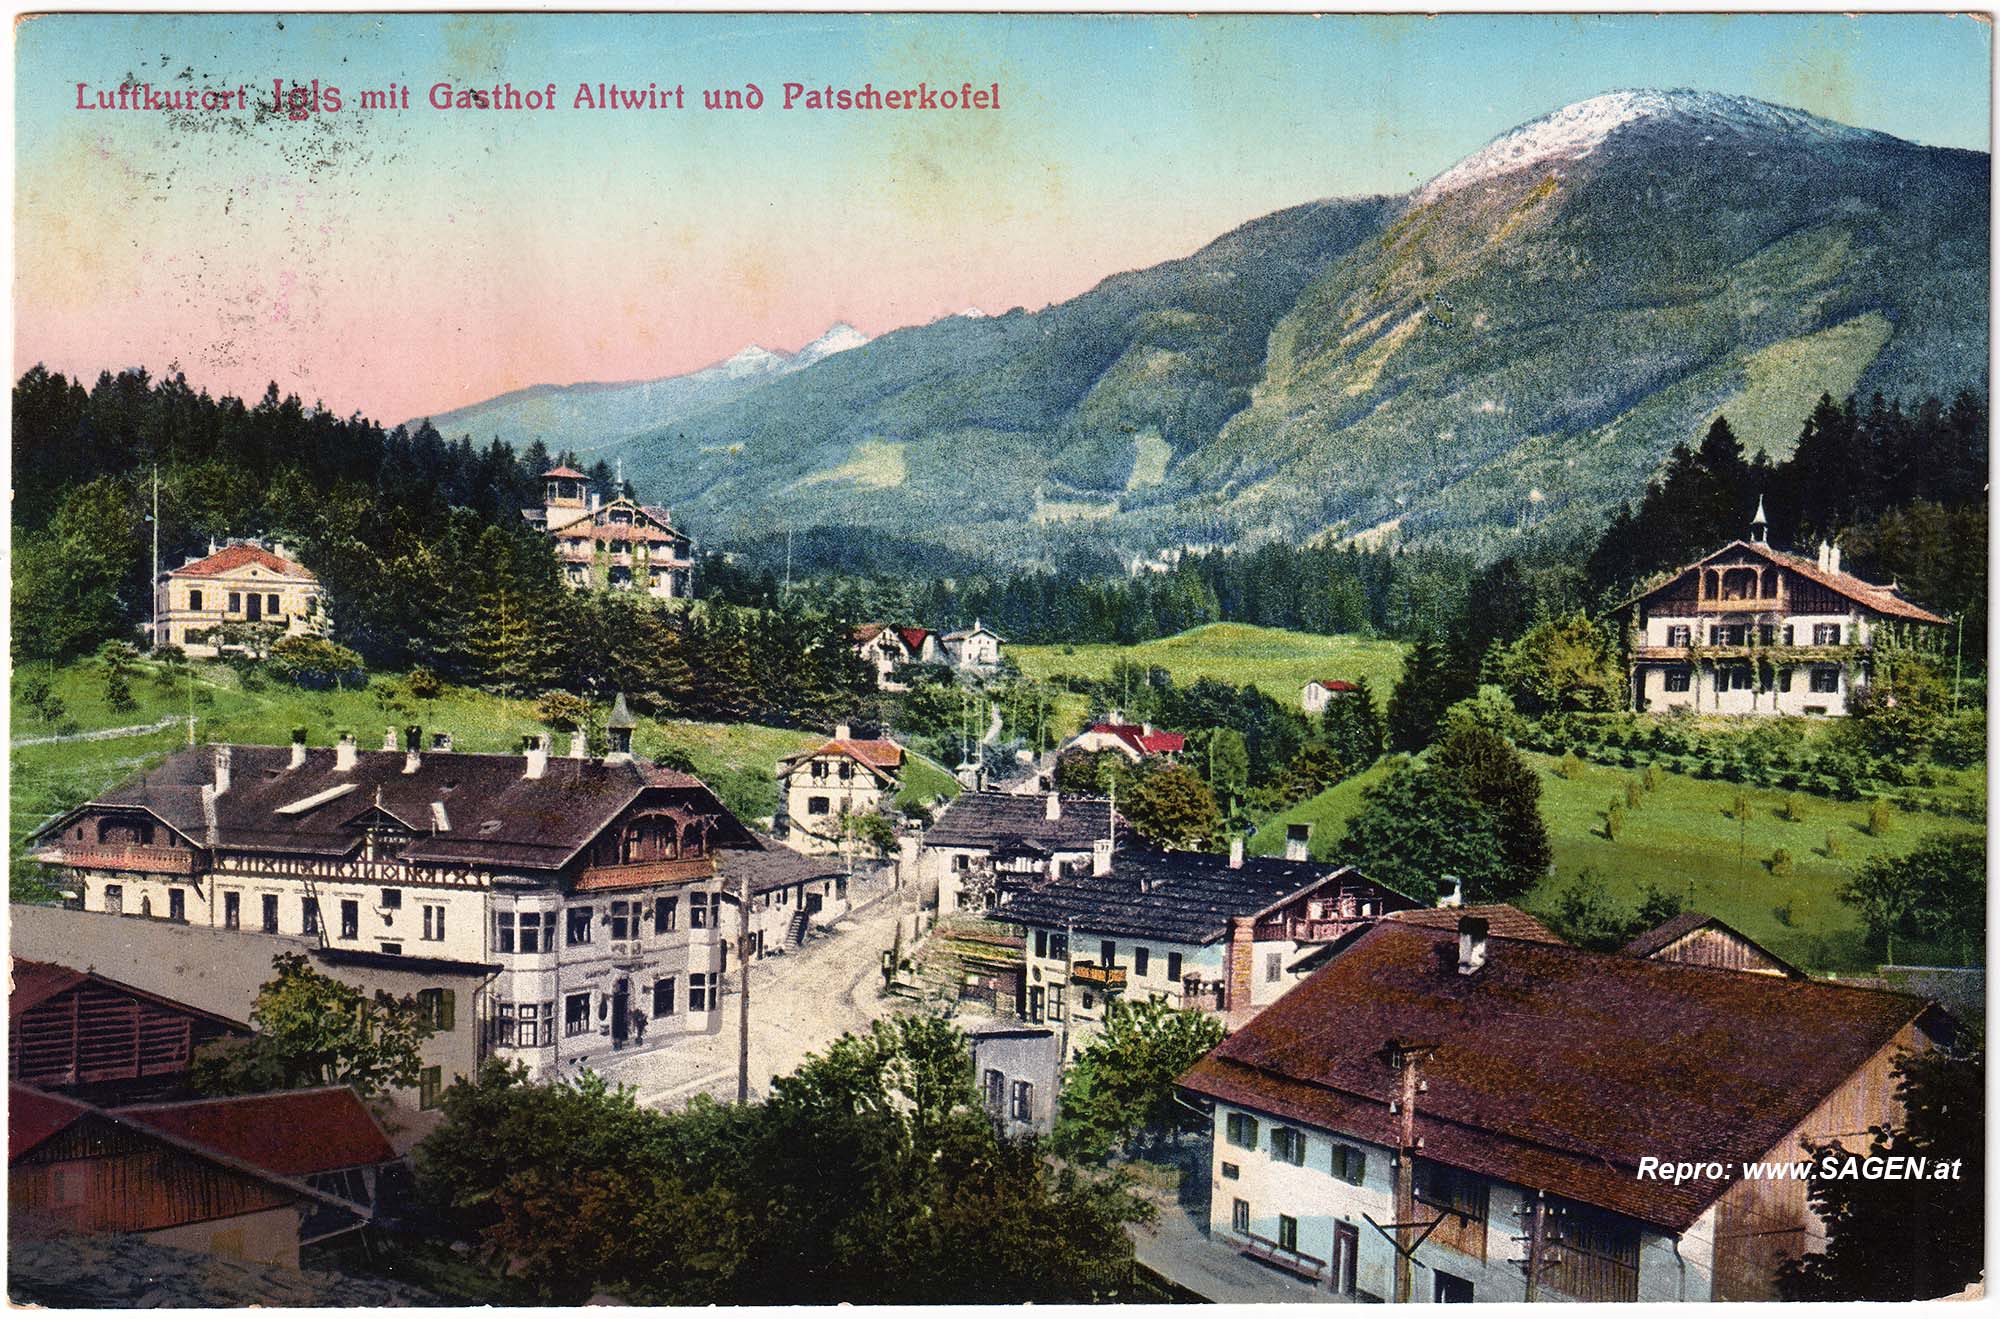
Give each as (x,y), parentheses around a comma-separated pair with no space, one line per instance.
(242,585)
(819,790)
(976,648)
(1329,1185)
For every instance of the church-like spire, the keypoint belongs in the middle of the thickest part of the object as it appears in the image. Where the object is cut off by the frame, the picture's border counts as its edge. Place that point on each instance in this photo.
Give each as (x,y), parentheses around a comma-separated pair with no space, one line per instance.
(1760,526)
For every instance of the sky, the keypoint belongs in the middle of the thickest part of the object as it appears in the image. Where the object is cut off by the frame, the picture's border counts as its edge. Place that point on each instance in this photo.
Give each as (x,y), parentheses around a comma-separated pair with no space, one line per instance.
(400,263)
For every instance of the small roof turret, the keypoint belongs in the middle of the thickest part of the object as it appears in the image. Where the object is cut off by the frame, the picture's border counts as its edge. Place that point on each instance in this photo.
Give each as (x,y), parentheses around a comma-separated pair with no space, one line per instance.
(1760,526)
(621,717)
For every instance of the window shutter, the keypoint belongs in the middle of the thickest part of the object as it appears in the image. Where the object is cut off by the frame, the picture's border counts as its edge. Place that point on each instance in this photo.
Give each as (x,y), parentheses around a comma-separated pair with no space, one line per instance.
(447,1009)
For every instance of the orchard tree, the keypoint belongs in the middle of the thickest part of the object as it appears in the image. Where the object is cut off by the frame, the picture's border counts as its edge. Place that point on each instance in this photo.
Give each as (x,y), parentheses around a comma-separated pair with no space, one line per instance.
(1122,1083)
(1568,663)
(1936,892)
(1172,808)
(315,1030)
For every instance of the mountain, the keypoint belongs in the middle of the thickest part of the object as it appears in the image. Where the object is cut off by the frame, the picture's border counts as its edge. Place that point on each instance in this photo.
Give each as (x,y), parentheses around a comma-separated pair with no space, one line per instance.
(1520,341)
(587,418)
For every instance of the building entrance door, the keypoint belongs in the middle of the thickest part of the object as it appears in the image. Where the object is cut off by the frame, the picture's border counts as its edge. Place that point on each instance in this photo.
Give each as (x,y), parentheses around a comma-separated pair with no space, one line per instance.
(621,1013)
(253,607)
(1346,1246)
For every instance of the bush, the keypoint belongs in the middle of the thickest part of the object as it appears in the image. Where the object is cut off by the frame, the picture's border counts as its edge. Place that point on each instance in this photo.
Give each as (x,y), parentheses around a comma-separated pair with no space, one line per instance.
(1880,819)
(1739,806)
(1794,810)
(315,664)
(1614,821)
(1571,766)
(1836,846)
(1781,863)
(1651,778)
(424,685)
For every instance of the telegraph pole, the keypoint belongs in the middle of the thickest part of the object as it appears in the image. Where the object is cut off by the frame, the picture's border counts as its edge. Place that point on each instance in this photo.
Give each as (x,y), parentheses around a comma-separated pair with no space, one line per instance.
(1406,1058)
(743,969)
(153,587)
(1537,1235)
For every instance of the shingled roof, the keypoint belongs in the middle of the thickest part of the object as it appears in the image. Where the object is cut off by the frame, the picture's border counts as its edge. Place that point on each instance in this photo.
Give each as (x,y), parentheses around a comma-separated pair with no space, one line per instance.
(1503,921)
(294,1133)
(1884,600)
(996,820)
(775,867)
(240,556)
(1556,1068)
(1670,932)
(1179,897)
(494,814)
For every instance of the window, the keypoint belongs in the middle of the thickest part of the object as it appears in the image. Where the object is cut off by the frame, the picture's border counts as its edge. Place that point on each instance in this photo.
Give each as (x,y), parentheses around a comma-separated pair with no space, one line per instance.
(1766,633)
(503,1025)
(235,602)
(433,922)
(271,604)
(698,992)
(194,599)
(698,904)
(1733,678)
(1239,1216)
(1110,953)
(624,920)
(579,924)
(1826,634)
(663,997)
(1037,1009)
(1788,634)
(1230,1172)
(114,898)
(503,931)
(1174,966)
(1288,1145)
(1274,968)
(177,904)
(392,899)
(1059,946)
(665,910)
(996,1091)
(1024,1102)
(1826,678)
(393,949)
(1785,679)
(961,863)
(1454,1189)
(817,806)
(350,919)
(523,931)
(534,1025)
(1140,958)
(232,911)
(1288,1232)
(1241,1131)
(439,1007)
(430,1085)
(1041,943)
(270,913)
(576,1014)
(1056,1006)
(309,916)
(1089,1000)
(1680,634)
(1350,1165)
(1678,678)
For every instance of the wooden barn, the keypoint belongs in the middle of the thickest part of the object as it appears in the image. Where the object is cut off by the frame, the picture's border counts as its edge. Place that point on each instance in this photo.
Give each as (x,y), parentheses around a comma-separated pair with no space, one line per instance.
(89,1035)
(1699,939)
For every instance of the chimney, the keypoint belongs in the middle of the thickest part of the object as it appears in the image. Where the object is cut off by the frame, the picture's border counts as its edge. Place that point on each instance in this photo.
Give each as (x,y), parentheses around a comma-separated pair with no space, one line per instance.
(1052,807)
(1455,898)
(1236,852)
(1833,557)
(278,548)
(222,758)
(343,753)
(1471,944)
(1297,836)
(579,745)
(440,741)
(413,749)
(1100,856)
(536,749)
(841,732)
(1823,549)
(389,742)
(298,747)
(1240,963)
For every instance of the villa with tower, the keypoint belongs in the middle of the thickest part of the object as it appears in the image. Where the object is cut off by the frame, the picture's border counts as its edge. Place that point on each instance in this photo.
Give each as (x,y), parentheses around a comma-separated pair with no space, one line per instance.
(1751,629)
(612,545)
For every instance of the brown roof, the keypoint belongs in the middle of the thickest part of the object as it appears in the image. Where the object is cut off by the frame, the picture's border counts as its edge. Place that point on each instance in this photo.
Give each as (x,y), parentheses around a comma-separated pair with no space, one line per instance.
(35,983)
(1503,921)
(867,632)
(1556,1068)
(566,471)
(290,1132)
(35,1115)
(496,815)
(877,753)
(240,556)
(1881,599)
(774,867)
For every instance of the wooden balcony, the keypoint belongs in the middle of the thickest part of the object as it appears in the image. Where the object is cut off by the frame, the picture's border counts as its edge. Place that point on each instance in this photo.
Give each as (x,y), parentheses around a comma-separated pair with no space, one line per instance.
(121,856)
(1203,996)
(1111,979)
(1303,930)
(644,874)
(1297,1262)
(1747,604)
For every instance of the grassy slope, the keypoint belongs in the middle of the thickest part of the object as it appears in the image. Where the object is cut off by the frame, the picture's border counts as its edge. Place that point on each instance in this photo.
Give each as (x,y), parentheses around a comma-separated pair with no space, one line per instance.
(736,760)
(1275,661)
(1682,839)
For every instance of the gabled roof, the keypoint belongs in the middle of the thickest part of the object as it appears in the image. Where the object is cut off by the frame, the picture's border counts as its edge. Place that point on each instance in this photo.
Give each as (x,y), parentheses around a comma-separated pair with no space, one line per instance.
(1146,741)
(34,1116)
(880,756)
(35,983)
(1884,600)
(1178,897)
(1556,1068)
(294,1133)
(1000,819)
(976,628)
(1334,684)
(241,556)
(1670,932)
(773,867)
(498,816)
(867,632)
(564,470)
(914,638)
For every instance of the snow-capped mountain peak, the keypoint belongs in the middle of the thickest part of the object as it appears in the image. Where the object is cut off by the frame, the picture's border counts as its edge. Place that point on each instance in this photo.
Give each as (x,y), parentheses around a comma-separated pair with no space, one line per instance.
(752,360)
(839,337)
(1573,132)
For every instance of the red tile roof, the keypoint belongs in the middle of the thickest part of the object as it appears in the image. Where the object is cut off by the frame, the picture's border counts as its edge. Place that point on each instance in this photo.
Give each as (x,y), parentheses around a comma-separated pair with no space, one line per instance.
(1337,684)
(293,1133)
(876,752)
(867,632)
(1881,599)
(914,638)
(241,556)
(1155,742)
(1557,1068)
(566,471)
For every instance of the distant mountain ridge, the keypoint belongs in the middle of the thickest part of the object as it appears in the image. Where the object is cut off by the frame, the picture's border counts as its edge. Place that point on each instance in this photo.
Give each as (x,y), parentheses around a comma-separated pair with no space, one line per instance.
(1519,341)
(592,416)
